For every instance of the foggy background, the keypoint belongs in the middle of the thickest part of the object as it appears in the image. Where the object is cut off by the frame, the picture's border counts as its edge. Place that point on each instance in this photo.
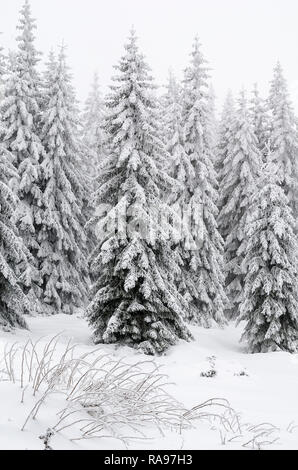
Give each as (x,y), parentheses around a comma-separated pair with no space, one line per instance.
(242,39)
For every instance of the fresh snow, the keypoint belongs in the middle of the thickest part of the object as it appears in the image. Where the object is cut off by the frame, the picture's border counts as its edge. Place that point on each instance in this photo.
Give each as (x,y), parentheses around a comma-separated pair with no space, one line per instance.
(262,388)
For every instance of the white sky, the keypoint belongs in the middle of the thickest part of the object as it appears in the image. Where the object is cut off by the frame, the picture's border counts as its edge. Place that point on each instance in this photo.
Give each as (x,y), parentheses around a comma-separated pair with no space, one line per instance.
(242,39)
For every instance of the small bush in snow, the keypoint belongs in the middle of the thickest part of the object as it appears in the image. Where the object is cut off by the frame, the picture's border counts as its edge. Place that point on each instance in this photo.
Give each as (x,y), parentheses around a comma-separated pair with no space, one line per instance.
(209,374)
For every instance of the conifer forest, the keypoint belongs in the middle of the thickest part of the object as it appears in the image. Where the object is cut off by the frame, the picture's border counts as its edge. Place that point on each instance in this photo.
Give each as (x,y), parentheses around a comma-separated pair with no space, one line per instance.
(148,237)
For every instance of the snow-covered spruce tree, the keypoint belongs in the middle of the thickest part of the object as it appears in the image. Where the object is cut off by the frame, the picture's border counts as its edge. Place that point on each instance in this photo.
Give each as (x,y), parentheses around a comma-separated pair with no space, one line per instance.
(48,77)
(260,121)
(205,259)
(179,165)
(212,124)
(284,137)
(270,301)
(94,148)
(239,176)
(20,115)
(92,122)
(3,70)
(135,300)
(62,253)
(224,134)
(2,62)
(13,302)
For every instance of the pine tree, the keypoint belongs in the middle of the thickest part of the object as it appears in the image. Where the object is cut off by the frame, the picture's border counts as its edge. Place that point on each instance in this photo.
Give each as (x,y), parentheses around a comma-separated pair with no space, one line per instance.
(62,265)
(241,169)
(134,298)
(260,121)
(93,134)
(205,259)
(13,302)
(284,137)
(21,114)
(270,303)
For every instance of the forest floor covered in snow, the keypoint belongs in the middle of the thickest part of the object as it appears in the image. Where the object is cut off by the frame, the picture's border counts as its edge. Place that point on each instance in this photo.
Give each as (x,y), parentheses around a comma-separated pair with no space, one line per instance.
(255,396)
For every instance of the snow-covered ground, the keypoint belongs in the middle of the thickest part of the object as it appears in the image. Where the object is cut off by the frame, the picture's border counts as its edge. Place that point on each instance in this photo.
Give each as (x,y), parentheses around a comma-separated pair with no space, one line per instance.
(262,389)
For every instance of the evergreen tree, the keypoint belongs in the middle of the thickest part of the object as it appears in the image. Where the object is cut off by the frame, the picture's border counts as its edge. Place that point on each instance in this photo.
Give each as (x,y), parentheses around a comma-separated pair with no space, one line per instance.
(270,303)
(13,302)
(225,134)
(93,149)
(62,265)
(2,63)
(205,259)
(212,124)
(179,165)
(241,169)
(93,119)
(48,77)
(260,121)
(134,298)
(284,137)
(3,71)
(21,114)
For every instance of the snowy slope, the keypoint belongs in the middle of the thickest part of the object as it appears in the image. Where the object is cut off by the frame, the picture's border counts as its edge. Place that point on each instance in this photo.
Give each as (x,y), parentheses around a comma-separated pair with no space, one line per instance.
(262,388)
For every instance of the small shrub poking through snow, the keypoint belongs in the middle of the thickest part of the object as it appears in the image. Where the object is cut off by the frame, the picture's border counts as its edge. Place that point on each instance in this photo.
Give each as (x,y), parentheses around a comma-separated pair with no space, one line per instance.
(46,439)
(242,373)
(210,373)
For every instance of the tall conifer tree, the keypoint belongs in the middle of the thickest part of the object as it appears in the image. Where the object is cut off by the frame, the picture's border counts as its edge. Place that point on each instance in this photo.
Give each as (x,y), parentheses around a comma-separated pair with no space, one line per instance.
(21,114)
(270,302)
(62,254)
(224,135)
(13,302)
(260,121)
(93,120)
(284,137)
(205,259)
(134,297)
(239,176)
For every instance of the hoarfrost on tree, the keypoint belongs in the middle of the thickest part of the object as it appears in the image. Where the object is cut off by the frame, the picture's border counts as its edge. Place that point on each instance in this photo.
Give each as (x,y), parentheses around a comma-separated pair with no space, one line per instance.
(204,261)
(134,297)
(241,169)
(284,137)
(224,135)
(92,127)
(259,112)
(62,240)
(270,302)
(20,115)
(13,302)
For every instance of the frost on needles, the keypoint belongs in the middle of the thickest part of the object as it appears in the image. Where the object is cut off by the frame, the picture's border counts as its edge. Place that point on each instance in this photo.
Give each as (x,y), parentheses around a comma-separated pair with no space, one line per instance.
(270,301)
(20,115)
(204,260)
(284,137)
(92,127)
(241,168)
(13,302)
(134,297)
(62,241)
